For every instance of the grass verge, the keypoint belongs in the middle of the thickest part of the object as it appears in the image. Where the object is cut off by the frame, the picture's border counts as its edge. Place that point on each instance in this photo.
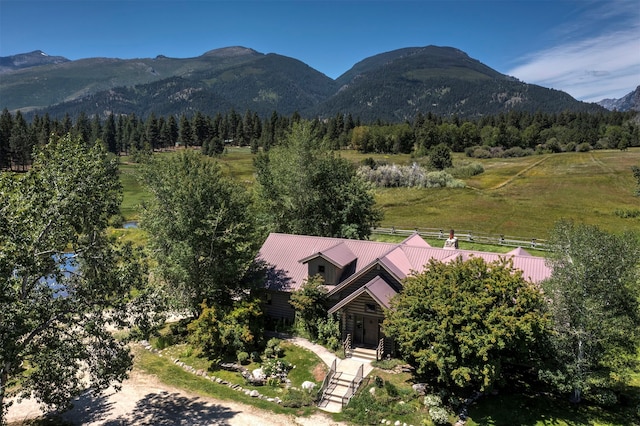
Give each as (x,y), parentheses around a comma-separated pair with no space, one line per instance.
(173,375)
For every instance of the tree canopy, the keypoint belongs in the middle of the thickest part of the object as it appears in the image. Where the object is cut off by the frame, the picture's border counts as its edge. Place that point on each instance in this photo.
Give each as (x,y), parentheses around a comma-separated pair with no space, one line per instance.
(461,322)
(594,294)
(303,189)
(62,280)
(201,228)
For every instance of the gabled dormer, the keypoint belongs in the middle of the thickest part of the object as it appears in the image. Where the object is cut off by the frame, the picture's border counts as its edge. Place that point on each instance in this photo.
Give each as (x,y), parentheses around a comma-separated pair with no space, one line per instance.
(333,264)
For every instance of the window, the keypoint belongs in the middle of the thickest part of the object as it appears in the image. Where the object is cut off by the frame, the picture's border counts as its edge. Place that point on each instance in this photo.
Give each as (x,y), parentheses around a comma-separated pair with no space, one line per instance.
(321,269)
(268,298)
(370,307)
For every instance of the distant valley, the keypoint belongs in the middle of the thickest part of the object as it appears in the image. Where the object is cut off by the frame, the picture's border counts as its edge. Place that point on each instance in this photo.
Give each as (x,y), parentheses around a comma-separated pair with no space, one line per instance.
(392,86)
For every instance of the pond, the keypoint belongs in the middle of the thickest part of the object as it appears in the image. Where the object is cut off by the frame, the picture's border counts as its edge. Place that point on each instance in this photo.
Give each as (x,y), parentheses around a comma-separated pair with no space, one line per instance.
(130,224)
(67,266)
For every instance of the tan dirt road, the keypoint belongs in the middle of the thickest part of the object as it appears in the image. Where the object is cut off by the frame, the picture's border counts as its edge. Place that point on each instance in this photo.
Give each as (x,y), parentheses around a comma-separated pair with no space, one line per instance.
(144,400)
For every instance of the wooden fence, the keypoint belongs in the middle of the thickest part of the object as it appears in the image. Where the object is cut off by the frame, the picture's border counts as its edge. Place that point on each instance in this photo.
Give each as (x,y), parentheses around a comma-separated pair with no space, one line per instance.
(470,236)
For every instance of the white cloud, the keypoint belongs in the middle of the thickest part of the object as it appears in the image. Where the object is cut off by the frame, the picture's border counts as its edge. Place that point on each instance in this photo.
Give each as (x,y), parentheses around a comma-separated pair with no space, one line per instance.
(590,68)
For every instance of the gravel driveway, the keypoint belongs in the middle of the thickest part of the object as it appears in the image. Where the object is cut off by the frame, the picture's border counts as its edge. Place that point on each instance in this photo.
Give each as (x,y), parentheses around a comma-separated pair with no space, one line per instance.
(143,400)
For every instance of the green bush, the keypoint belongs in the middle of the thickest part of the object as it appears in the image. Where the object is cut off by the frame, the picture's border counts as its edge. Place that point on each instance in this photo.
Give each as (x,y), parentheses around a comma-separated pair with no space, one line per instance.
(378,381)
(274,348)
(583,147)
(364,409)
(432,400)
(276,368)
(242,357)
(439,415)
(295,398)
(329,332)
(391,389)
(162,342)
(467,170)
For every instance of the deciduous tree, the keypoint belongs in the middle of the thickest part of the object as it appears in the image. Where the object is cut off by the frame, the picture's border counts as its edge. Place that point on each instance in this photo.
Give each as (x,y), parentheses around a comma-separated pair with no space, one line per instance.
(460,322)
(310,304)
(594,296)
(305,190)
(62,281)
(201,227)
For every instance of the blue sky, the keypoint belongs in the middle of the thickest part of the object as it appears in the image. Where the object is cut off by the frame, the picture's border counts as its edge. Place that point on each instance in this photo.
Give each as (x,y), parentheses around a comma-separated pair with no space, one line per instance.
(590,49)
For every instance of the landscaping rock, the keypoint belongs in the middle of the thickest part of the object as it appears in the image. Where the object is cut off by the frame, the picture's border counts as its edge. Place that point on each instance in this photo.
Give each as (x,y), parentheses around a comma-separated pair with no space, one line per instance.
(308,386)
(254,393)
(420,388)
(258,374)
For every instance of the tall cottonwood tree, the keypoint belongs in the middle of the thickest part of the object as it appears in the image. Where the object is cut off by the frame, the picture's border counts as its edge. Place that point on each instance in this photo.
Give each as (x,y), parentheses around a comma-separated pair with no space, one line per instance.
(201,228)
(303,189)
(594,296)
(62,280)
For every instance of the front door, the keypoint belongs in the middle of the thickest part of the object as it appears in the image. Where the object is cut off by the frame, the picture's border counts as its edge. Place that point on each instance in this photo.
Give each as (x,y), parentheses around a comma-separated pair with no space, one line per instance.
(370,331)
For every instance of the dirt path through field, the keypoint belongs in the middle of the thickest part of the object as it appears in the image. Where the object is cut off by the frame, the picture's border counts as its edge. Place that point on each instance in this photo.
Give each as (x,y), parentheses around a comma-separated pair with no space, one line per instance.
(144,400)
(520,173)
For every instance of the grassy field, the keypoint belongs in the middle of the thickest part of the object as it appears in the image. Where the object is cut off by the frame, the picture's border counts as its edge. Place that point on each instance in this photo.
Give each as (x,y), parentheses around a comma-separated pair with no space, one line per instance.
(520,197)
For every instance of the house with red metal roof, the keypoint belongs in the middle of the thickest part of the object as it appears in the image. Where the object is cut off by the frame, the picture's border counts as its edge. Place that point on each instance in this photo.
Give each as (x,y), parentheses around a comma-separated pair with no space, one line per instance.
(361,276)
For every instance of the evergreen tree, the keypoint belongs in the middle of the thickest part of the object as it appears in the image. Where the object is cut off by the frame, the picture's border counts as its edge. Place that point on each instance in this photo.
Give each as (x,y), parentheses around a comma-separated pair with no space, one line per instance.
(6,124)
(109,134)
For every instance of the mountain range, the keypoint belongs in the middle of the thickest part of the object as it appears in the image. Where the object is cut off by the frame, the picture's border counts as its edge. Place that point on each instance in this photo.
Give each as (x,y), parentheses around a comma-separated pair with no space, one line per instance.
(392,86)
(629,102)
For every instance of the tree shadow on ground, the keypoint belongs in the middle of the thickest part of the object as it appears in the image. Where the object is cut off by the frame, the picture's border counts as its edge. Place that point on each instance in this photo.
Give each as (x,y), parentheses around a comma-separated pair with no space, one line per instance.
(89,407)
(169,409)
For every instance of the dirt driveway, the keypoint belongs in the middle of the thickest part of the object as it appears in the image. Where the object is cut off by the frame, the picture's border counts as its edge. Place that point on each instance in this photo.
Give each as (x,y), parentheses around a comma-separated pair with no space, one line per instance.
(144,400)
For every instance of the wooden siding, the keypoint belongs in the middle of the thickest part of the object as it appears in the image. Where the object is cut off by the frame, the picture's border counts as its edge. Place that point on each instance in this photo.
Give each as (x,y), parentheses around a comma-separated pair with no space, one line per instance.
(358,308)
(276,305)
(331,273)
(365,278)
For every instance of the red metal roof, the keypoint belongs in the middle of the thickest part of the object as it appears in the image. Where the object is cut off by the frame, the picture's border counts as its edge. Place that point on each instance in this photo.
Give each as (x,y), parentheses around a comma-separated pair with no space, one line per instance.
(286,254)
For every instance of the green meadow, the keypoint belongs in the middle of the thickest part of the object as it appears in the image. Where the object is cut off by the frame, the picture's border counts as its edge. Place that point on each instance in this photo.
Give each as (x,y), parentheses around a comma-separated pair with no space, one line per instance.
(519,197)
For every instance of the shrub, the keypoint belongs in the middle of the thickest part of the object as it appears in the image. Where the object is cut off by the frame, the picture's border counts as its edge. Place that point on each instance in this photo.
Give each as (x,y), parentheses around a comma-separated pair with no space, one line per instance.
(378,381)
(329,332)
(439,415)
(242,357)
(364,409)
(432,400)
(583,147)
(467,170)
(391,389)
(274,382)
(517,151)
(276,368)
(295,398)
(162,342)
(440,157)
(394,176)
